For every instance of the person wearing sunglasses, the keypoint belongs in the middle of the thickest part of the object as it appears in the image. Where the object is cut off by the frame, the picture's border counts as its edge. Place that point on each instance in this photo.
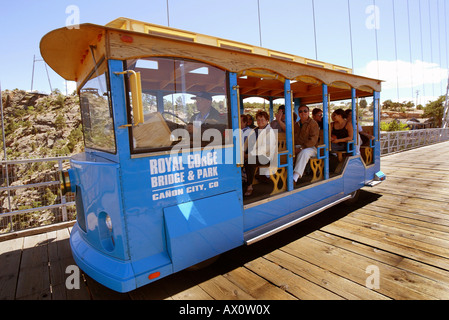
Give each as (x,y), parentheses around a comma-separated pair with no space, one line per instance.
(306,136)
(317,115)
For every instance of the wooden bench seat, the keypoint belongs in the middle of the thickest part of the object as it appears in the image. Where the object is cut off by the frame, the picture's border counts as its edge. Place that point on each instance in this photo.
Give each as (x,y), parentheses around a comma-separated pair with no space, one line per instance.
(367,154)
(278,175)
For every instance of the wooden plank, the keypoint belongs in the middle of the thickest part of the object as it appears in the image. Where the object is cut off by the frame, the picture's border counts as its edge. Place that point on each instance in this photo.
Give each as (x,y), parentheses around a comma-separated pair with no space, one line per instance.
(324,278)
(289,281)
(424,184)
(220,288)
(193,293)
(394,283)
(34,280)
(60,257)
(385,242)
(418,226)
(10,254)
(401,233)
(425,218)
(256,286)
(412,205)
(389,258)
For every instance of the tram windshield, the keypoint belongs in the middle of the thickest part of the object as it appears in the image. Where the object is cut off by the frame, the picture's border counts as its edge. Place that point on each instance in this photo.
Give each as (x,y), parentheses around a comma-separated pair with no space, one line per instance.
(179,96)
(96,114)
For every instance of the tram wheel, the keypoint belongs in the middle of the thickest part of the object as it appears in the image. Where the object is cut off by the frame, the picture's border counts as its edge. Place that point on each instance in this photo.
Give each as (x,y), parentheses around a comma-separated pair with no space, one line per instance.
(203,264)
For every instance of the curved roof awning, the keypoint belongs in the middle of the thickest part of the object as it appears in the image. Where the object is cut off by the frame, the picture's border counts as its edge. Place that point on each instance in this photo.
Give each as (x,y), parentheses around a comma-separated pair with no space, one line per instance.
(65,50)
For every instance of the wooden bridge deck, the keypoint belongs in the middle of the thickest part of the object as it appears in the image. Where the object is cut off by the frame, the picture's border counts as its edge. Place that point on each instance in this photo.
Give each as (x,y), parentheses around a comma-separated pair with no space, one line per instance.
(399,228)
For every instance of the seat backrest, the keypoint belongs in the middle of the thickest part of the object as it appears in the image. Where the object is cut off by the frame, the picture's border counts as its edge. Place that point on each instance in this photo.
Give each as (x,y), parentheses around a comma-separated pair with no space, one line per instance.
(320,138)
(282,146)
(282,141)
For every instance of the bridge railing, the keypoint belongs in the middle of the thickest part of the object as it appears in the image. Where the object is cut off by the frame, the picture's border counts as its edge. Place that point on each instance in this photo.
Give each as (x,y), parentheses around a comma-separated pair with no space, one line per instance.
(30,194)
(39,201)
(397,141)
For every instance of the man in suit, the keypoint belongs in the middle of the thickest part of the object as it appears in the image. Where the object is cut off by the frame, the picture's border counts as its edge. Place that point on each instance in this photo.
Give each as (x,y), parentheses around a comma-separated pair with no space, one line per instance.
(206,118)
(206,115)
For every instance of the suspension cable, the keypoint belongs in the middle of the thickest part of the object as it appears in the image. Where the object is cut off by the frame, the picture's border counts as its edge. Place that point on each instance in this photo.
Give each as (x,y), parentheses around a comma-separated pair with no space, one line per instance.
(350,35)
(260,26)
(314,29)
(410,46)
(422,49)
(395,49)
(375,35)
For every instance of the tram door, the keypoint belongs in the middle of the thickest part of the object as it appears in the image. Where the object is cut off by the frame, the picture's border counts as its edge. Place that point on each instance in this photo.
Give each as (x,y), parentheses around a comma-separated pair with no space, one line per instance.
(187,159)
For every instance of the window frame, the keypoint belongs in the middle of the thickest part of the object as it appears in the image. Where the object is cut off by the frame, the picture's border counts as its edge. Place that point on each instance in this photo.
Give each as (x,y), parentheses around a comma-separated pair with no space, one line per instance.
(163,150)
(109,97)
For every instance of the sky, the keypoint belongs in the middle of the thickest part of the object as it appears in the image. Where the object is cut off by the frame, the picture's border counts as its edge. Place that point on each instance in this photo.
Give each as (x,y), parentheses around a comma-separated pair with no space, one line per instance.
(403,42)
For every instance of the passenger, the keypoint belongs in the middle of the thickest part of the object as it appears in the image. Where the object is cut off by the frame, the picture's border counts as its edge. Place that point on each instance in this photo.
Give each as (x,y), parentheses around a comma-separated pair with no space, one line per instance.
(251,121)
(317,115)
(306,133)
(246,130)
(262,149)
(207,117)
(279,123)
(341,131)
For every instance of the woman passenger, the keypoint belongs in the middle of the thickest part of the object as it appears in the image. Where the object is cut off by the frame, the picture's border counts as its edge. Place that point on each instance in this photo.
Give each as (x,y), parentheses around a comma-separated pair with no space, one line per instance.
(262,148)
(341,132)
(250,121)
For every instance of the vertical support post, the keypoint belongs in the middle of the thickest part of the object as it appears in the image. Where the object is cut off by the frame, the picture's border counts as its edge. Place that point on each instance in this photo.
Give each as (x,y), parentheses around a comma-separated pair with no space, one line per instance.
(376,129)
(160,101)
(235,118)
(271,109)
(32,74)
(289,133)
(326,131)
(5,155)
(355,123)
(63,200)
(118,97)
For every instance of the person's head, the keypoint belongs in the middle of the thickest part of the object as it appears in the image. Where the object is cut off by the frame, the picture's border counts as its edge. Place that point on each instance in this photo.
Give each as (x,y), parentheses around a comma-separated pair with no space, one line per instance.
(244,120)
(338,115)
(203,102)
(281,112)
(262,119)
(250,119)
(348,113)
(303,112)
(317,114)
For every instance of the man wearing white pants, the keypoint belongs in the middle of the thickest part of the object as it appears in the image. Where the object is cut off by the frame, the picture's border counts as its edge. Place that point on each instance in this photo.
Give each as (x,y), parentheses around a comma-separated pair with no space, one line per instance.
(307,133)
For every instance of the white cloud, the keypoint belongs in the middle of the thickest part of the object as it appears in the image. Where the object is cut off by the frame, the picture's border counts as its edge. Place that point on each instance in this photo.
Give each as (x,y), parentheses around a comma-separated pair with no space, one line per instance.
(404,74)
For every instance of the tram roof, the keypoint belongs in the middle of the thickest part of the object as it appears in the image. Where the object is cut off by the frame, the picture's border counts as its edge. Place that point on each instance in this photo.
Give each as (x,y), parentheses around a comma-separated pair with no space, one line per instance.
(73,51)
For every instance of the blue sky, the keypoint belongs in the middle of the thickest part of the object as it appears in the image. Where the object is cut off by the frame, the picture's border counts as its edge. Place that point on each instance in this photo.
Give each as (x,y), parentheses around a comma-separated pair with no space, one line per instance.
(408,58)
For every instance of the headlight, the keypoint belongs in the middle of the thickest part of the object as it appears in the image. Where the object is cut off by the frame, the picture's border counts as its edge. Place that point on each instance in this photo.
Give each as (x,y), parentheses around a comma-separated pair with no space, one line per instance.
(64,178)
(108,222)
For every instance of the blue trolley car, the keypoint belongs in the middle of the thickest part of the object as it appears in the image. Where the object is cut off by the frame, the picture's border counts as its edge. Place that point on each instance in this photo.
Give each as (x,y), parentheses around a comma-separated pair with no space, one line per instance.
(159,186)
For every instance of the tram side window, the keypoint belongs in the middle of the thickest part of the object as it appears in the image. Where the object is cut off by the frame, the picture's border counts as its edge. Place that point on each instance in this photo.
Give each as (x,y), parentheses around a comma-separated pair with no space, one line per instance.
(179,97)
(96,114)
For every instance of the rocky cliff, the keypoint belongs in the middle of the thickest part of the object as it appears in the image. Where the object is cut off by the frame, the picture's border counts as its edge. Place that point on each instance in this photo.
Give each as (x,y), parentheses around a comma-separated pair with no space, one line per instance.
(36,126)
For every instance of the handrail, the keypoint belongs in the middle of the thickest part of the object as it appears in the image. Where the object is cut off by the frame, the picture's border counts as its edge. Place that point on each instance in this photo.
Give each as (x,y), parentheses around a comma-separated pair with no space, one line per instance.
(136,96)
(397,141)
